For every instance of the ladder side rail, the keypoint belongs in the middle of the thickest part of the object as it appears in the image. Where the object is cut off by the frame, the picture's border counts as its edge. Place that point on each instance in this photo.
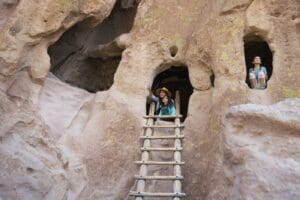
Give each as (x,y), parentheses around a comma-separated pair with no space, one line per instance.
(177,187)
(141,184)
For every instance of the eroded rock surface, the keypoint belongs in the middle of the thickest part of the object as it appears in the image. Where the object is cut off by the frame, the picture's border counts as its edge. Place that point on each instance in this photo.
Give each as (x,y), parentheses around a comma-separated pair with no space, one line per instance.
(87,56)
(58,141)
(262,153)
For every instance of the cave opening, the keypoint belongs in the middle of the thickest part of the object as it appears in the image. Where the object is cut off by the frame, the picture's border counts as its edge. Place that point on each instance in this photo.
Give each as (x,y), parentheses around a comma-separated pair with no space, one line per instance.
(88,57)
(256,46)
(175,78)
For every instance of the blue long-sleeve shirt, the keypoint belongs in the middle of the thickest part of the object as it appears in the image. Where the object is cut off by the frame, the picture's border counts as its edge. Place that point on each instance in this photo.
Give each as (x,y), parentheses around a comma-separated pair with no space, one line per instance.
(158,102)
(167,110)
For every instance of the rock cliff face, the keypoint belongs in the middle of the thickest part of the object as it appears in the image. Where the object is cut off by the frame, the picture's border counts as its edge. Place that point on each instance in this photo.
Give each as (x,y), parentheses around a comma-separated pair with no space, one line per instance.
(261,150)
(71,114)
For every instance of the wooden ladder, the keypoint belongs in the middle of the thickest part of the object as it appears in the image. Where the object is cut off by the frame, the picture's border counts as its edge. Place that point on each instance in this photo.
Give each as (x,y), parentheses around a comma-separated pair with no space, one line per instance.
(147,137)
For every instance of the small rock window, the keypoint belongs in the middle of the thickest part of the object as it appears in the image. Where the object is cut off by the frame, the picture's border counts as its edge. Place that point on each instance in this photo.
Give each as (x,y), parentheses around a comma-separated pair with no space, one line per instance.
(256,46)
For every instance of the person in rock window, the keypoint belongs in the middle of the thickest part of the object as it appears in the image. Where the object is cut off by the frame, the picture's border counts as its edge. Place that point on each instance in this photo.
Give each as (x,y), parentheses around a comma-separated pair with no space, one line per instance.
(160,94)
(258,74)
(167,107)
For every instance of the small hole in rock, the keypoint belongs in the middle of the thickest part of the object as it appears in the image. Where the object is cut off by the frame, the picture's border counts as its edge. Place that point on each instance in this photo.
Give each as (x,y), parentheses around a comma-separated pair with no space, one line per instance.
(212,79)
(173,50)
(66,165)
(29,170)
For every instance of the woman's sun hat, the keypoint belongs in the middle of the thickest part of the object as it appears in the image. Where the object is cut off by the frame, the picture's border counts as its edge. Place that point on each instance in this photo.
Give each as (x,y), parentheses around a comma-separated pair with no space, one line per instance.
(163,89)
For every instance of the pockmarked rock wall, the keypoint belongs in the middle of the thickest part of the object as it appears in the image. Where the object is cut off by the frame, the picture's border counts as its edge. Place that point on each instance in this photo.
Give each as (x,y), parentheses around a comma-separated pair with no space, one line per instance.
(62,142)
(262,157)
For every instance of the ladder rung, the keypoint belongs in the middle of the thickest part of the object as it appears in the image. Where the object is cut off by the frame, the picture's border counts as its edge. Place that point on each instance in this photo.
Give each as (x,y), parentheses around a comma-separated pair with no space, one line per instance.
(158,177)
(163,116)
(161,149)
(159,163)
(163,137)
(164,126)
(156,194)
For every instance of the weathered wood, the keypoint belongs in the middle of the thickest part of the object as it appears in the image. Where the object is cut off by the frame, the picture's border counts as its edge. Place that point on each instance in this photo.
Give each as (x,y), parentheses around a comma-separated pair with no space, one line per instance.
(146,150)
(164,126)
(162,137)
(163,116)
(141,184)
(157,194)
(177,154)
(159,163)
(161,149)
(159,177)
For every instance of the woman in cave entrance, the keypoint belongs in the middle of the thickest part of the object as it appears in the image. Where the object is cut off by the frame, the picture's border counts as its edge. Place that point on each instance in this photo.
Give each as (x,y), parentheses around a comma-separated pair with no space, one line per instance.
(258,74)
(164,102)
(167,107)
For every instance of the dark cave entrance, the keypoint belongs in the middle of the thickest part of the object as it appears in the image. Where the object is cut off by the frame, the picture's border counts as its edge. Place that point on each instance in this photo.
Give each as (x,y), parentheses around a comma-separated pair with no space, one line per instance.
(175,78)
(88,57)
(256,46)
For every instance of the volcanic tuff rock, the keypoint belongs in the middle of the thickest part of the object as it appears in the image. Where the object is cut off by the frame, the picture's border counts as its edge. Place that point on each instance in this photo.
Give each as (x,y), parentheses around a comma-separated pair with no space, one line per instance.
(58,141)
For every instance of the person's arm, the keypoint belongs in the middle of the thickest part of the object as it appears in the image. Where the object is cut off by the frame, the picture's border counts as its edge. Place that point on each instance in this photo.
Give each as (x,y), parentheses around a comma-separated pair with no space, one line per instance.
(152,97)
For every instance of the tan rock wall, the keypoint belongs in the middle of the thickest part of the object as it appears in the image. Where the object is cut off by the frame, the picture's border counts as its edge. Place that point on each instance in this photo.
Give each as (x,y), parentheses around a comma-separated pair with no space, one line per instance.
(90,153)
